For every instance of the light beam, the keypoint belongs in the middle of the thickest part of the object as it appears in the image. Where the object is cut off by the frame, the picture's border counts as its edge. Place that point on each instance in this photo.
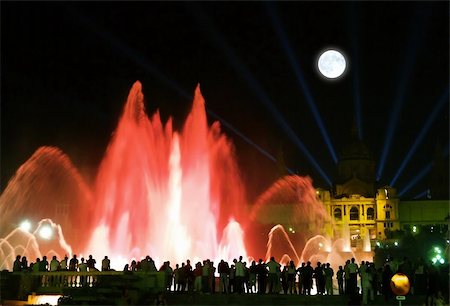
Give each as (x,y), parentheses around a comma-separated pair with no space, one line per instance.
(406,72)
(443,100)
(240,67)
(271,11)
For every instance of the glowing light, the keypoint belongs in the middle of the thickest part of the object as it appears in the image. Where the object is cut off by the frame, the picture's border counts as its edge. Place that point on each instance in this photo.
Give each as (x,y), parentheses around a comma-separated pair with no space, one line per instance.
(441,261)
(320,244)
(25,225)
(414,229)
(396,243)
(46,232)
(400,284)
(437,250)
(331,64)
(378,244)
(43,299)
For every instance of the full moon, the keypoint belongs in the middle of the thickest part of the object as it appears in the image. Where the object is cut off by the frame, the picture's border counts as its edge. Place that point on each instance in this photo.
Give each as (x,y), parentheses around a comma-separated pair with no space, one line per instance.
(331,64)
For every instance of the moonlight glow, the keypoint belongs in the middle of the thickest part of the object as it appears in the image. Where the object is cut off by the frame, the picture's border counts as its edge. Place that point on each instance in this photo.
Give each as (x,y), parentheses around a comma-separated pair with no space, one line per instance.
(331,64)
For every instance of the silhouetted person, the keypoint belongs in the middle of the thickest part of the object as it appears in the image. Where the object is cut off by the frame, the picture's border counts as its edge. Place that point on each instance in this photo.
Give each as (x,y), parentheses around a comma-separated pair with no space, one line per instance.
(198,277)
(232,282)
(224,271)
(301,279)
(83,268)
(239,276)
(183,275)
(176,278)
(106,264)
(340,279)
(24,263)
(292,272)
(212,278)
(329,273)
(54,264)
(189,276)
(353,271)
(284,279)
(91,263)
(261,273)
(366,283)
(386,282)
(73,263)
(273,267)
(63,265)
(43,264)
(318,275)
(54,267)
(308,274)
(17,265)
(252,277)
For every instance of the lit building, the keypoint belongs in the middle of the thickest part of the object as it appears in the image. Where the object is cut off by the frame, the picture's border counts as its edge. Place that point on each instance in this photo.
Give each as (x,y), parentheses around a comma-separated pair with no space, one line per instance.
(355,202)
(360,210)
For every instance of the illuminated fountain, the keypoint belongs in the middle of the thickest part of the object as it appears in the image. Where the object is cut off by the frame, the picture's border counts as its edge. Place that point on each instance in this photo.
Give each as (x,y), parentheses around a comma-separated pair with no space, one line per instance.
(159,192)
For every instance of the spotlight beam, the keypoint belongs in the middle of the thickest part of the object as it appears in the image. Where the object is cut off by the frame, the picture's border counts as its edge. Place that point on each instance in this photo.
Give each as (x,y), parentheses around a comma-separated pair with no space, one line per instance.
(443,100)
(140,60)
(281,34)
(421,174)
(421,195)
(128,52)
(399,99)
(246,139)
(355,70)
(416,179)
(240,67)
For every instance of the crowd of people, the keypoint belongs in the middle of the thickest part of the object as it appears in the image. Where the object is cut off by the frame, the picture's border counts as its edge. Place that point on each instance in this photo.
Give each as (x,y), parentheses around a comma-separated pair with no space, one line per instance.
(261,277)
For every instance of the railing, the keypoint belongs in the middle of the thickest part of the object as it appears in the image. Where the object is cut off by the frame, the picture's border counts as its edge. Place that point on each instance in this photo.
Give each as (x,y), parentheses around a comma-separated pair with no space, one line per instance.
(18,285)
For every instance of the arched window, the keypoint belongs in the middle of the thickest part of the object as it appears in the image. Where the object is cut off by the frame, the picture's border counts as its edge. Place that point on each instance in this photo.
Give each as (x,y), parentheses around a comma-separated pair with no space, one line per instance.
(370,213)
(354,213)
(338,214)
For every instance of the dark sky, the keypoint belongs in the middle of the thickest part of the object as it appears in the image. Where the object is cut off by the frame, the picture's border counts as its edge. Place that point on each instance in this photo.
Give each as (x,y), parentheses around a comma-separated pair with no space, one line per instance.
(67,67)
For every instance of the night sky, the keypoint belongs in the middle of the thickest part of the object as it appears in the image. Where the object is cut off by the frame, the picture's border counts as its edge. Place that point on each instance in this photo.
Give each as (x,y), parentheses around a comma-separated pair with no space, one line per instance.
(67,68)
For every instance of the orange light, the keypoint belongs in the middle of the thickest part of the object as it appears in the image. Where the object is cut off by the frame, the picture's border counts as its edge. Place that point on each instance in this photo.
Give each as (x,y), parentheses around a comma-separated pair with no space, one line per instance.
(400,284)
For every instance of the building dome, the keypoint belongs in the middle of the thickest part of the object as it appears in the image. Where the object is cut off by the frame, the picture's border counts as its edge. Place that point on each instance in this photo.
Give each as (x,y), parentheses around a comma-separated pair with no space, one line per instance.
(355,169)
(356,150)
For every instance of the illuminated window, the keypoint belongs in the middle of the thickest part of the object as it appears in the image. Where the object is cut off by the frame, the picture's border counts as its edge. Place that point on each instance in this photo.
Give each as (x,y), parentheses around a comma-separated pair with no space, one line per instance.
(370,213)
(354,213)
(337,214)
